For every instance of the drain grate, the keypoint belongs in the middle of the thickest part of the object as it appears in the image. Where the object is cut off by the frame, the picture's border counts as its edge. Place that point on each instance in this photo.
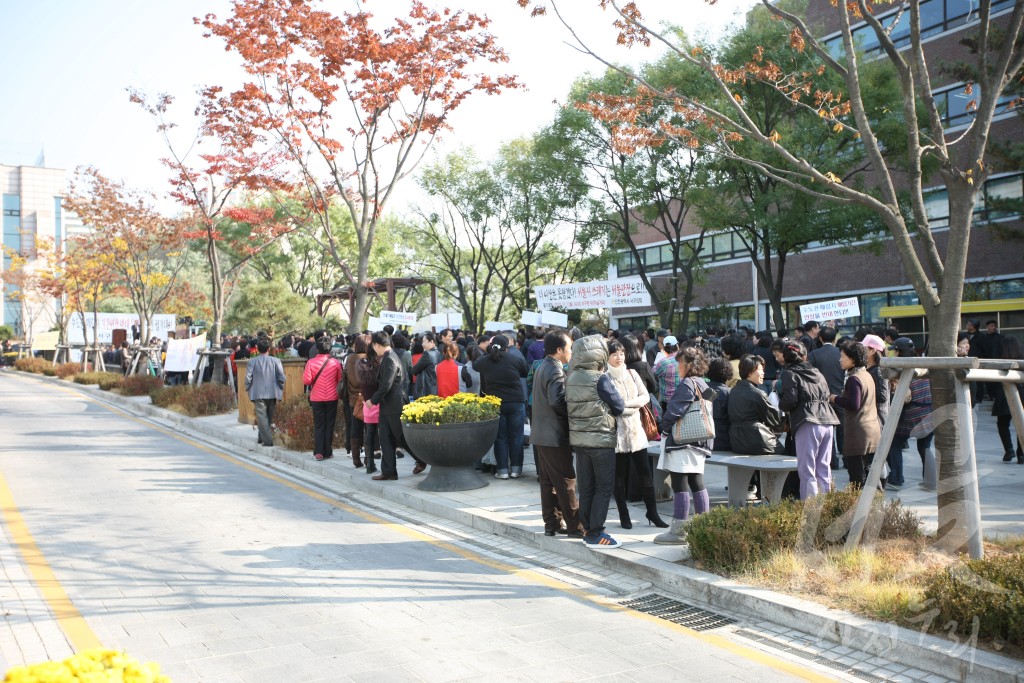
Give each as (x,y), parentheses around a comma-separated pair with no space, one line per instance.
(678,612)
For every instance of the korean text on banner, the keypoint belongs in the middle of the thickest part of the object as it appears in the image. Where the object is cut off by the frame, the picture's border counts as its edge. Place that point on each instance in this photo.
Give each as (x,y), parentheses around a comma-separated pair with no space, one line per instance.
(831,310)
(597,294)
(397,318)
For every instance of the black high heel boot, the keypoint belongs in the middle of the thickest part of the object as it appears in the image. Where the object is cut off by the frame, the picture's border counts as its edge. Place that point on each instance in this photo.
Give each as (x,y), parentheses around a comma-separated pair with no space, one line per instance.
(652,508)
(620,502)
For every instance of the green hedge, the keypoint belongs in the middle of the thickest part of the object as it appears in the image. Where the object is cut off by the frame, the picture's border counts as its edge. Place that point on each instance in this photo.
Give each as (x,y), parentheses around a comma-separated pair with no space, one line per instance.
(106,380)
(731,540)
(205,399)
(989,592)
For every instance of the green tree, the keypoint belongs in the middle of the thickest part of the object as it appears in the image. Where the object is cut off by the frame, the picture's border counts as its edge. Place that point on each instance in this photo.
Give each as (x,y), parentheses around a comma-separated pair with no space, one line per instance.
(271,306)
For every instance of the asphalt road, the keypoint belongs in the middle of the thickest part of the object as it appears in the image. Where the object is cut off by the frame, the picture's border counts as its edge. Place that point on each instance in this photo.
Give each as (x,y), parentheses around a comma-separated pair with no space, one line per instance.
(120,533)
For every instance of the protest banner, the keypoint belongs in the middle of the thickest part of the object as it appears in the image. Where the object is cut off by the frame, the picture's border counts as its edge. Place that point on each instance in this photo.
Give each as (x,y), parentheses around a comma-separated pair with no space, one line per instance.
(106,323)
(182,353)
(375,324)
(498,326)
(597,294)
(397,318)
(831,310)
(45,341)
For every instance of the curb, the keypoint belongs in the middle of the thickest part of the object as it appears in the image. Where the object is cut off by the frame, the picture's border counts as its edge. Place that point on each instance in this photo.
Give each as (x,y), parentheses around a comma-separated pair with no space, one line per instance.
(941,656)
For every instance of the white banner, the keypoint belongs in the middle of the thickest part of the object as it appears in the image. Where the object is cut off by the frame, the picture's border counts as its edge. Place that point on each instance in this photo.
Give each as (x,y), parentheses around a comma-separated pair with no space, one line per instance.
(45,341)
(554,319)
(375,324)
(161,324)
(831,310)
(532,318)
(182,353)
(597,294)
(397,318)
(498,326)
(440,321)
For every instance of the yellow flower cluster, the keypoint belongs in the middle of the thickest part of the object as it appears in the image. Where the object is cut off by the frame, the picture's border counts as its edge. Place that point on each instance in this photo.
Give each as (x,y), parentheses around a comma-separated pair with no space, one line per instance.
(89,666)
(458,408)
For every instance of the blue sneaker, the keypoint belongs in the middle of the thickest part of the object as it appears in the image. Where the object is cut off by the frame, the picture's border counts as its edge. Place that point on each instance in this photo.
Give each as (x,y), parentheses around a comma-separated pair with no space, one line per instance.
(601,541)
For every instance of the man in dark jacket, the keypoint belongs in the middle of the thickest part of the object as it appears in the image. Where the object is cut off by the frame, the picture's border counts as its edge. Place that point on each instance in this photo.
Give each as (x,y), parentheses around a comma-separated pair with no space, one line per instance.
(391,399)
(826,360)
(593,403)
(549,436)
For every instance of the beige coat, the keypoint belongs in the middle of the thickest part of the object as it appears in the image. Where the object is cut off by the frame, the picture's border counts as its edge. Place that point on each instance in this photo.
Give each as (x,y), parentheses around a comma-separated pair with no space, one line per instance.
(629,430)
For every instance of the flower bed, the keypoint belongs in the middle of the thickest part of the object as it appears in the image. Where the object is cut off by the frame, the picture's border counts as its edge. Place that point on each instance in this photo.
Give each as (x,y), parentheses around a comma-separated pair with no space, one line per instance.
(456,409)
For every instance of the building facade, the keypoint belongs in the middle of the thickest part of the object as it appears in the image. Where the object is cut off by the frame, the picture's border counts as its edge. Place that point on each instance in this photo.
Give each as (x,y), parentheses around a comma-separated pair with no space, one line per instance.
(731,295)
(32,209)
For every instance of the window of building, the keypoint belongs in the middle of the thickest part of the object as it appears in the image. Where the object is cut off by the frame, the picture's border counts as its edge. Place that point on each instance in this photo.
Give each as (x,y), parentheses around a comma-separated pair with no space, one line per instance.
(1003,196)
(937,16)
(58,219)
(12,221)
(871,307)
(1006,289)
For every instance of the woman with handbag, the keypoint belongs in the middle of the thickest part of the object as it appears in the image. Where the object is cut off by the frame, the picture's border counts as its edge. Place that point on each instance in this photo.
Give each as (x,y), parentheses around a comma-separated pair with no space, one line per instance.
(630,437)
(353,386)
(687,427)
(366,372)
(321,376)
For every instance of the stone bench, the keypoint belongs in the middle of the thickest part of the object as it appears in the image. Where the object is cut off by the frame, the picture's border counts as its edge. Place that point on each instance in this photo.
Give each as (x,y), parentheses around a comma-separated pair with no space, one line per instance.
(773,468)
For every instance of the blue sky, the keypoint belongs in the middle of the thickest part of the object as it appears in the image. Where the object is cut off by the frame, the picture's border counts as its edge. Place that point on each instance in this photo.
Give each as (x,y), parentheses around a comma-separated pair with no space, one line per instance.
(67,64)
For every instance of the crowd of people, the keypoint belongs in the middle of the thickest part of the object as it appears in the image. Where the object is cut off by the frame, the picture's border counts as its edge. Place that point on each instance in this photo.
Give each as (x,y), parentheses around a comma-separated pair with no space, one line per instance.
(815,396)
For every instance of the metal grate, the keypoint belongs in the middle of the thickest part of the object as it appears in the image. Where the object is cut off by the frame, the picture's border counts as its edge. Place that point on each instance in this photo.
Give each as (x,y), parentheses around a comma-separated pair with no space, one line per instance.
(678,612)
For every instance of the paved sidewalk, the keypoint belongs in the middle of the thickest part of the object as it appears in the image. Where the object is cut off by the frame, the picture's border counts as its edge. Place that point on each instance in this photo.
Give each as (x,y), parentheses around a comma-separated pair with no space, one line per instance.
(511,508)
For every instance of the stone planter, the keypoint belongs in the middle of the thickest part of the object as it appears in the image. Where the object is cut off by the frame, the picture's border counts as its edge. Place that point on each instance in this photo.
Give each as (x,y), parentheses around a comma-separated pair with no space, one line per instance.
(451,450)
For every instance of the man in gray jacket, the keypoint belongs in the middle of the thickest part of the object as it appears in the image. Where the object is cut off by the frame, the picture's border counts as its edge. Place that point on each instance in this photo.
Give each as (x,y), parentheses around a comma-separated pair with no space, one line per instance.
(264,381)
(593,402)
(549,435)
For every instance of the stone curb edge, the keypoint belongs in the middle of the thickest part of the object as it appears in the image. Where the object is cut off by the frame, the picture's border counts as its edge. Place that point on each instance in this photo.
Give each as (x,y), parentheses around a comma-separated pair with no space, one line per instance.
(930,653)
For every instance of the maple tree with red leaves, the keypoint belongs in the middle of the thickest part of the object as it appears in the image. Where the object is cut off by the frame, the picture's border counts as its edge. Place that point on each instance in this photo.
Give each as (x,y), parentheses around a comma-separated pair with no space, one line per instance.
(216,170)
(353,108)
(146,250)
(723,125)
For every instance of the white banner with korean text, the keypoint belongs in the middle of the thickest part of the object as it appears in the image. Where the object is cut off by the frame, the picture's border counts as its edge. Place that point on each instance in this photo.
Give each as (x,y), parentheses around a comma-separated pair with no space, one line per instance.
(831,310)
(597,294)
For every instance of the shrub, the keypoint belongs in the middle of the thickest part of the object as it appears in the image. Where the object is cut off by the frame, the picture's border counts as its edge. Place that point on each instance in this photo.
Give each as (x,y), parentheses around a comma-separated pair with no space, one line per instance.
(166,397)
(731,540)
(68,370)
(34,365)
(208,399)
(140,385)
(106,380)
(990,591)
(49,371)
(458,408)
(294,419)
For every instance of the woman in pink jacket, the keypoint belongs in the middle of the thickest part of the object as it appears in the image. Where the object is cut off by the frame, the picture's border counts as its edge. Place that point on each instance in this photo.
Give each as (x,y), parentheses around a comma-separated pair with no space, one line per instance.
(321,376)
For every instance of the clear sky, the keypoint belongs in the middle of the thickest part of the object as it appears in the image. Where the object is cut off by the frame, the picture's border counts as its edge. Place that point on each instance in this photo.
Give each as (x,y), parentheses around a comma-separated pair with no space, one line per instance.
(66,64)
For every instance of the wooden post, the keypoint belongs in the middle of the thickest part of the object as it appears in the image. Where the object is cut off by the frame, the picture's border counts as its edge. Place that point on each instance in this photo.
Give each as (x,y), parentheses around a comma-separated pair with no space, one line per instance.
(867,495)
(969,465)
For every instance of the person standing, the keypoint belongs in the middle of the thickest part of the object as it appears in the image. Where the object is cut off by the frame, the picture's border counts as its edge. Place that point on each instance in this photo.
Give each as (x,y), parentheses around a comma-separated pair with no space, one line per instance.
(630,438)
(321,376)
(804,395)
(390,398)
(860,414)
(424,372)
(666,371)
(593,403)
(685,462)
(826,360)
(353,389)
(502,373)
(1010,350)
(550,439)
(264,382)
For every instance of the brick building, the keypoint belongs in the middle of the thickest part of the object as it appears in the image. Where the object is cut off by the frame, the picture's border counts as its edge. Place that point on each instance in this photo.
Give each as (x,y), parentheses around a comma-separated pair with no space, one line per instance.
(995,268)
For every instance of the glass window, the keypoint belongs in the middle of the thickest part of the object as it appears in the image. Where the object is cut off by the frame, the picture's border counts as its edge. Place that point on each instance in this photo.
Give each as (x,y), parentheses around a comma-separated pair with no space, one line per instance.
(931,17)
(722,244)
(936,205)
(1003,196)
(871,307)
(900,33)
(958,10)
(957,102)
(666,255)
(1007,289)
(904,298)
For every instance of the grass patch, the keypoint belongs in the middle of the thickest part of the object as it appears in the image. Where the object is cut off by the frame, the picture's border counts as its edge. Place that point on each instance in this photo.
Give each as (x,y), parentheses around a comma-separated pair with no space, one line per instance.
(105,380)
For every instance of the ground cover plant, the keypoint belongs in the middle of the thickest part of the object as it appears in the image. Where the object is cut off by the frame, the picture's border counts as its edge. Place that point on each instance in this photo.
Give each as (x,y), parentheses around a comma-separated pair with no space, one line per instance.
(294,420)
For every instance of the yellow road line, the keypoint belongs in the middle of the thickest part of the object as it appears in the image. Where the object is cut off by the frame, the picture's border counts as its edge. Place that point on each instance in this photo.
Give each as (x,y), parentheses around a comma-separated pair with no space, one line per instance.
(74,625)
(748,653)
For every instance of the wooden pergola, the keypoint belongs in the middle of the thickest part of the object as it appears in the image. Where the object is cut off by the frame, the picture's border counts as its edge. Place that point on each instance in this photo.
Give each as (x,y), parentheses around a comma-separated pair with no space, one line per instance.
(388,285)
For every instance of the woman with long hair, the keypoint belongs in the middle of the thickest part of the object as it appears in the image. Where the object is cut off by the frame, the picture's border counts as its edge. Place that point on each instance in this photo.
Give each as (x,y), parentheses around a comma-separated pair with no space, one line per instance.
(502,375)
(353,386)
(630,438)
(366,373)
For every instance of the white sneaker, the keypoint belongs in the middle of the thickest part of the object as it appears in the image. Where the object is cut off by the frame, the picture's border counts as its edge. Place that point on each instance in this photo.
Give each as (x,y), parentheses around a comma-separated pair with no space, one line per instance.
(501,474)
